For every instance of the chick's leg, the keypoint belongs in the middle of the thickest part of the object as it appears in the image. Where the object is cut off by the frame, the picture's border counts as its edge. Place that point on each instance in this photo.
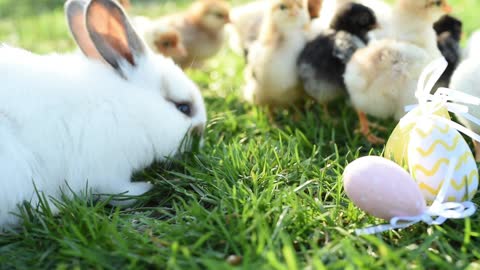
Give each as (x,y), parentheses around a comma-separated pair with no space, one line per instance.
(365,129)
(325,110)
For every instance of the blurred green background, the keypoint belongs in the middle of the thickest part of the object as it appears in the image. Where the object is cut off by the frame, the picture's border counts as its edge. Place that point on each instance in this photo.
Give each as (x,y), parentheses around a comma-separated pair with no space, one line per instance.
(39,25)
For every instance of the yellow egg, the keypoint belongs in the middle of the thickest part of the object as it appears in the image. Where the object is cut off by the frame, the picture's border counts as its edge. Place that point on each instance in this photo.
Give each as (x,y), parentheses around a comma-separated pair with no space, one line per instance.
(432,146)
(397,144)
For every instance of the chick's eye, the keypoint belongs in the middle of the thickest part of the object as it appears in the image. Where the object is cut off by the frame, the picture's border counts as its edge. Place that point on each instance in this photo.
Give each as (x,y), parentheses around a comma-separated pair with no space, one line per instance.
(282,7)
(166,44)
(184,108)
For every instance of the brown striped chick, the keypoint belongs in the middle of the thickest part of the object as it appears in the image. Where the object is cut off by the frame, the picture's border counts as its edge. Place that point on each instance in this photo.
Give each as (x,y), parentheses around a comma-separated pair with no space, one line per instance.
(247,20)
(160,37)
(271,76)
(381,79)
(202,30)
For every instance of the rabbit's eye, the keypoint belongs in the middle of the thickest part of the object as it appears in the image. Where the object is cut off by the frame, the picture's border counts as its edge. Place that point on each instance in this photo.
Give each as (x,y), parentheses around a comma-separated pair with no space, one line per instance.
(185,108)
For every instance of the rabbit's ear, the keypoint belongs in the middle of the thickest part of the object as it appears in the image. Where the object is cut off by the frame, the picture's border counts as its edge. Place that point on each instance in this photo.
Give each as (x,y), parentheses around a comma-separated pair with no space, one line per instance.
(112,34)
(75,12)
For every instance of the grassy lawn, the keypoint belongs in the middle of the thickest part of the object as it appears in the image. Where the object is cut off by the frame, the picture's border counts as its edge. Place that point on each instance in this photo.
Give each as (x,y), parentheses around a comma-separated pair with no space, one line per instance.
(270,195)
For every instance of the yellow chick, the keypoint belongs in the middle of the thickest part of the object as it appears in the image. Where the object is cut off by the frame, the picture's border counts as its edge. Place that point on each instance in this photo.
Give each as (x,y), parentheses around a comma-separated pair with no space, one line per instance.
(271,76)
(160,37)
(201,28)
(247,19)
(381,79)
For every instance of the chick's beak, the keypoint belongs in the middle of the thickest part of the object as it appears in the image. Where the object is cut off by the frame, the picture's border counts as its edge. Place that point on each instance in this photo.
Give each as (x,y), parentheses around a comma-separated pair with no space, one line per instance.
(375,26)
(227,19)
(447,8)
(181,51)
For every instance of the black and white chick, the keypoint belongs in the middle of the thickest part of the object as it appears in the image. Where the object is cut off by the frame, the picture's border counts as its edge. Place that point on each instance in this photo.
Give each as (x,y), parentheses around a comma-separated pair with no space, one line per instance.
(449,34)
(322,63)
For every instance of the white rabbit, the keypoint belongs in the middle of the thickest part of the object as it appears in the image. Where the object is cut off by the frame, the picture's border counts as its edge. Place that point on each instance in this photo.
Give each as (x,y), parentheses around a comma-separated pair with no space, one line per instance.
(76,120)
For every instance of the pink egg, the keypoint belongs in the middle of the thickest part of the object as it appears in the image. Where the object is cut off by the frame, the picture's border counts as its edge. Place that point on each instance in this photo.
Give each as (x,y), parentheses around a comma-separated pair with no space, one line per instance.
(382,188)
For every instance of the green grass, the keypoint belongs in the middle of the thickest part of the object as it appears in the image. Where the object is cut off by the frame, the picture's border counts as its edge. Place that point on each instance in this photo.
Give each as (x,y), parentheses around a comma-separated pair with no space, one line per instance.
(272,195)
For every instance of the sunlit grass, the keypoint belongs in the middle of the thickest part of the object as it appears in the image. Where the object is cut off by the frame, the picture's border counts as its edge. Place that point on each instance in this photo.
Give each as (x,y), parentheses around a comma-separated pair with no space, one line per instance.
(269,194)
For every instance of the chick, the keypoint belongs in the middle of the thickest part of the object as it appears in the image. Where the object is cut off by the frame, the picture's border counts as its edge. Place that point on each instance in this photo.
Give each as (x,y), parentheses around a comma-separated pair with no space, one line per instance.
(331,7)
(381,78)
(472,46)
(160,37)
(314,7)
(466,78)
(449,33)
(247,20)
(271,67)
(245,25)
(202,30)
(321,64)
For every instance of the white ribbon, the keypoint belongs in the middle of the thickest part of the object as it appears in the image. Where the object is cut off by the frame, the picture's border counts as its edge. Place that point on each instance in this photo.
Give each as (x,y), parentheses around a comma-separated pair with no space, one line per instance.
(439,212)
(454,101)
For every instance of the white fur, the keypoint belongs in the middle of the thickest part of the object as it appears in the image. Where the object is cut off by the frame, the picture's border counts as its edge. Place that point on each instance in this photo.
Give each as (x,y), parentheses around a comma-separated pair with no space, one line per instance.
(69,119)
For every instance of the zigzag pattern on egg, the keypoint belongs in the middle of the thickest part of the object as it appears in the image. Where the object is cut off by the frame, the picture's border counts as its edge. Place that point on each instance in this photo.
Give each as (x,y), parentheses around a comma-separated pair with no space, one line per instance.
(463,186)
(425,134)
(426,153)
(431,147)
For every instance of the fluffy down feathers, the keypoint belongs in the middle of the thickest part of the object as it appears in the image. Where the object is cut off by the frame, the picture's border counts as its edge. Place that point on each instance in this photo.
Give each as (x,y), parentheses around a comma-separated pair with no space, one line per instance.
(321,64)
(201,29)
(381,79)
(272,75)
(473,46)
(271,72)
(383,12)
(467,79)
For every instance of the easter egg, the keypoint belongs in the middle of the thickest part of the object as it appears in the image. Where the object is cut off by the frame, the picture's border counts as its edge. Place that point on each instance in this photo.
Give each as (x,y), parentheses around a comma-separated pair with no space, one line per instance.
(431,148)
(397,144)
(382,188)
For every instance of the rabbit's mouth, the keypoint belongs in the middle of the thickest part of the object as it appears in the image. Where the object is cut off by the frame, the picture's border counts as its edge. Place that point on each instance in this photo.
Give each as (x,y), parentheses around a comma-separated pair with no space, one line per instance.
(192,142)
